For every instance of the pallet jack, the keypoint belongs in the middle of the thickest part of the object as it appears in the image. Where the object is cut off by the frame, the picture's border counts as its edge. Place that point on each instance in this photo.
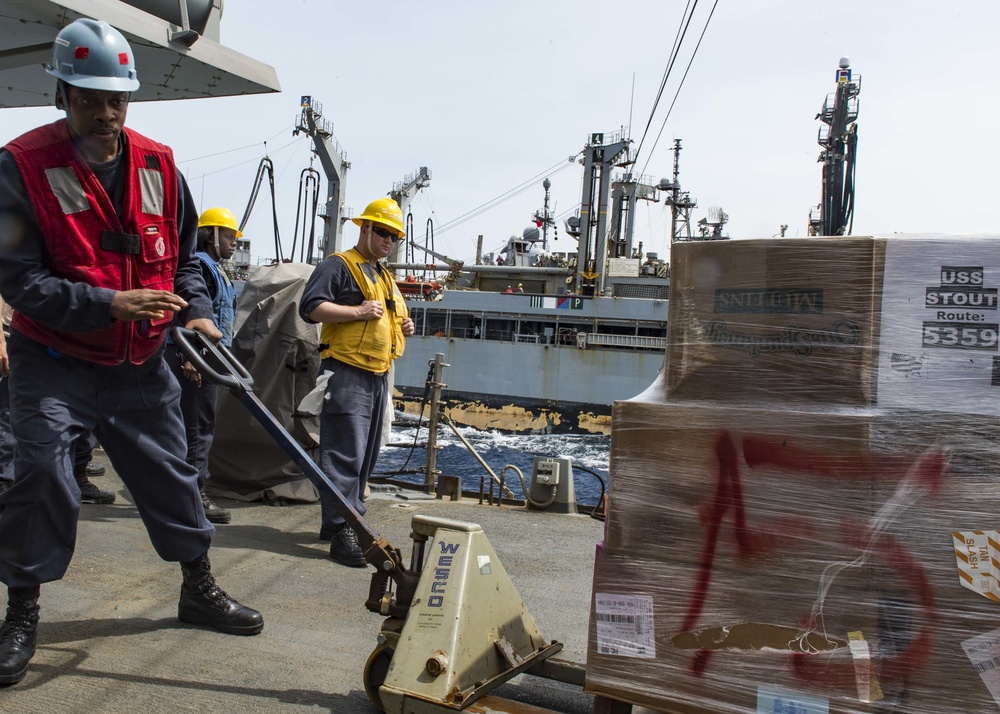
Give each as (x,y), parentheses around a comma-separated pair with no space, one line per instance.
(456,627)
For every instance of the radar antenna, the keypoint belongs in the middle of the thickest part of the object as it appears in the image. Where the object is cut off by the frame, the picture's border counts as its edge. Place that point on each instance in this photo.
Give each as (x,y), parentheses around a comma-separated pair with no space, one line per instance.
(710,227)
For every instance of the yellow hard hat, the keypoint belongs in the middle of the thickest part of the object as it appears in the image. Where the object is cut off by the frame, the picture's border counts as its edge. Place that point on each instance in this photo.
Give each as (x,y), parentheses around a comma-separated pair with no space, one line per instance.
(221,217)
(384,211)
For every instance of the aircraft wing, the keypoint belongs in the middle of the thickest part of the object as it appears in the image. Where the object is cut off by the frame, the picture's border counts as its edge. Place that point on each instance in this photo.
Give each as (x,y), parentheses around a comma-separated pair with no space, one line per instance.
(173,61)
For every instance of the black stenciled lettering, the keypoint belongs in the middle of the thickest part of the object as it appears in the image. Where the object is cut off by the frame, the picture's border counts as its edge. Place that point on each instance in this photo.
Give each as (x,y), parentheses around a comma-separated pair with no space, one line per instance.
(962,275)
(797,340)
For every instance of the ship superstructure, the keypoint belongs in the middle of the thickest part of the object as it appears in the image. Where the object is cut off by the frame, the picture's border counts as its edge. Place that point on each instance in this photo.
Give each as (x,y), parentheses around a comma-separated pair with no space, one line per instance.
(539,340)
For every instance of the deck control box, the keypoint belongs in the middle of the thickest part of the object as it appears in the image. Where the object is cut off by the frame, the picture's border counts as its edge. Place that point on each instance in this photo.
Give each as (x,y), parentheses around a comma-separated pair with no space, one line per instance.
(551,485)
(547,472)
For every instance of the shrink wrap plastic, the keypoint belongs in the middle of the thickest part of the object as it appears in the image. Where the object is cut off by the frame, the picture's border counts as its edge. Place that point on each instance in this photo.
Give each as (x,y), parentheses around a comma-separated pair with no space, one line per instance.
(804,509)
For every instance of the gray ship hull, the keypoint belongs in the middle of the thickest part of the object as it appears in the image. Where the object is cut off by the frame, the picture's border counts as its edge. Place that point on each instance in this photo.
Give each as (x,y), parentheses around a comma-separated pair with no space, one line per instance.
(538,364)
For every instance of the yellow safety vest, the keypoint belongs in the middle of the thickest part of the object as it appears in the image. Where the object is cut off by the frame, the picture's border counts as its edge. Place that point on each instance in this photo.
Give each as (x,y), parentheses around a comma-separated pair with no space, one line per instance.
(368,344)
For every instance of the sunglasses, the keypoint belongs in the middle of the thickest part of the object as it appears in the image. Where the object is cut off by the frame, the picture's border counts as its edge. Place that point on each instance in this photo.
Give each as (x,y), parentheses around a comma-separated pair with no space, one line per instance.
(386,233)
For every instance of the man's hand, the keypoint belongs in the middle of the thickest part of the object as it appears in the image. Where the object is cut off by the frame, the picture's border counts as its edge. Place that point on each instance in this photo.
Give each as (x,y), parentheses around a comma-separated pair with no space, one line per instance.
(370,310)
(190,373)
(144,304)
(408,327)
(205,326)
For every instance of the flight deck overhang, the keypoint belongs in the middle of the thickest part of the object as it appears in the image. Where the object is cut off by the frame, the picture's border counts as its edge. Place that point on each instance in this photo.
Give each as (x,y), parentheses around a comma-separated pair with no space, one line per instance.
(174,61)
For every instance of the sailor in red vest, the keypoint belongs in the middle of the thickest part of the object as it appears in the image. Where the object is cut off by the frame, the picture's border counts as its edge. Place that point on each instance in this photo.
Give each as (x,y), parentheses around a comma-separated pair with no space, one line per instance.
(97,233)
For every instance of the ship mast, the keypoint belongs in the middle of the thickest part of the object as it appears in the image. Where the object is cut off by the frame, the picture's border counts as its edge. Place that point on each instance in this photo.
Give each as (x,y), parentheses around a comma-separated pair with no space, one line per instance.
(839,138)
(680,202)
(543,219)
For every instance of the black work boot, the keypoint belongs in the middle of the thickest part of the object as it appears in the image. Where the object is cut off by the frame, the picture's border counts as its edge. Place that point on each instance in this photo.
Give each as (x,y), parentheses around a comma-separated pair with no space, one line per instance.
(214,513)
(344,547)
(95,469)
(89,493)
(203,602)
(17,635)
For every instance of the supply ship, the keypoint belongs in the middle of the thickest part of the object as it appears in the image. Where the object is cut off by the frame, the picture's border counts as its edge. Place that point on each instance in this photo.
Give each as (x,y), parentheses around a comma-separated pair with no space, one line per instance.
(533,343)
(544,341)
(540,341)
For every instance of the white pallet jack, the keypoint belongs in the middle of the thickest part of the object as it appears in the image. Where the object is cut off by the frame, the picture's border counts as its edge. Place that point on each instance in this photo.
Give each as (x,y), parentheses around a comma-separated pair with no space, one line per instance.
(456,627)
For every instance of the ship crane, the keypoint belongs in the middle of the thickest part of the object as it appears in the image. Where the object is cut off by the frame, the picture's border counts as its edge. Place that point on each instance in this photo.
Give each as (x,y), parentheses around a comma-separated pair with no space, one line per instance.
(626,193)
(461,274)
(839,138)
(335,165)
(403,192)
(599,157)
(454,267)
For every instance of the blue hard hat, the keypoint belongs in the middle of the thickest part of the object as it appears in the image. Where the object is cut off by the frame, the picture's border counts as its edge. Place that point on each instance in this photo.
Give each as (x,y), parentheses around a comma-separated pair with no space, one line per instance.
(91,54)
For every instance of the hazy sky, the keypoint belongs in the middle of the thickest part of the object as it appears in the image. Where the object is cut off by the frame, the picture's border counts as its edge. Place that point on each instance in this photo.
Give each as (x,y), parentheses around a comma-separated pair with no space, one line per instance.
(492,97)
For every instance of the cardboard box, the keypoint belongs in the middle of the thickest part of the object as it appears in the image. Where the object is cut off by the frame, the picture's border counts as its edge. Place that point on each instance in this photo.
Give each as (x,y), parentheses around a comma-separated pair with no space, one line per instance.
(745,639)
(794,320)
(752,647)
(869,500)
(682,469)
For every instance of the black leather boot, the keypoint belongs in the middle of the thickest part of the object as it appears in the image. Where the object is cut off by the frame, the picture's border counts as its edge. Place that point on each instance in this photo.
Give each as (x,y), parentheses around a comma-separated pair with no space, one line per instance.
(17,635)
(90,493)
(213,512)
(344,547)
(94,469)
(203,602)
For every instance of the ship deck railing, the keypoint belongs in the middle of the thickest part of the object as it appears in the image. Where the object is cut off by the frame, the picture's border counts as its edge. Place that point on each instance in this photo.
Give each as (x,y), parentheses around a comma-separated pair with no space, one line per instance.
(567,338)
(585,340)
(531,338)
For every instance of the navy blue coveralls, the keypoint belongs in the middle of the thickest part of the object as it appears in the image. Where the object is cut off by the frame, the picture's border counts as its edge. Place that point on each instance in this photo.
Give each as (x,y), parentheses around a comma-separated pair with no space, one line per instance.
(6,437)
(82,449)
(354,404)
(133,410)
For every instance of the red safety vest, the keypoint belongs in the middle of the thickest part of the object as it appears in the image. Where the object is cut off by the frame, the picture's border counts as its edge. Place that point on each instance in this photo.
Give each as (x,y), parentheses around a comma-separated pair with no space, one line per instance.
(87,242)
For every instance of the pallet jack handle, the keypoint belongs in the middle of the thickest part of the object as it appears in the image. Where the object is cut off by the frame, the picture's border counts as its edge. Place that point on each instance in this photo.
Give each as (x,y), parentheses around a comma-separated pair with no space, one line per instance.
(233,375)
(218,366)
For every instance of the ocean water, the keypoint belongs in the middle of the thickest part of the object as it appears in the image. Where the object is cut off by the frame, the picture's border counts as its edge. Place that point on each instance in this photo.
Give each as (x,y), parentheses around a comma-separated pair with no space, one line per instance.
(587,453)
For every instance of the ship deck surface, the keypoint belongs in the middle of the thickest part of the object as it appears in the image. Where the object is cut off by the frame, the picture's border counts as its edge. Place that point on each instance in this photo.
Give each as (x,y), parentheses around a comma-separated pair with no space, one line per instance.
(109,638)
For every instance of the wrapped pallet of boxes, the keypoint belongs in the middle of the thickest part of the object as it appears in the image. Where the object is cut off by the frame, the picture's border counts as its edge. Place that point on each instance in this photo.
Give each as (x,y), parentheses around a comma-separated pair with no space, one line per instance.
(781,320)
(772,547)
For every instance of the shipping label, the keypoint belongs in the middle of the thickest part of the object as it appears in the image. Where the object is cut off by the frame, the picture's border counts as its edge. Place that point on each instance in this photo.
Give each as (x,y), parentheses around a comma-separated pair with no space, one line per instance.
(984,653)
(624,625)
(940,337)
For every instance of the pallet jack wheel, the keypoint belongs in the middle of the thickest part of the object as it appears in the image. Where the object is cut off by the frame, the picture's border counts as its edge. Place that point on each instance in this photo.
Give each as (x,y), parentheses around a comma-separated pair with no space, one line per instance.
(375,670)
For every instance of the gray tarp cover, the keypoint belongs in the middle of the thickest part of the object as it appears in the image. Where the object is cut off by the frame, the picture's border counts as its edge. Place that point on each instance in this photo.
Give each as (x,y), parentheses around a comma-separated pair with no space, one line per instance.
(280,350)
